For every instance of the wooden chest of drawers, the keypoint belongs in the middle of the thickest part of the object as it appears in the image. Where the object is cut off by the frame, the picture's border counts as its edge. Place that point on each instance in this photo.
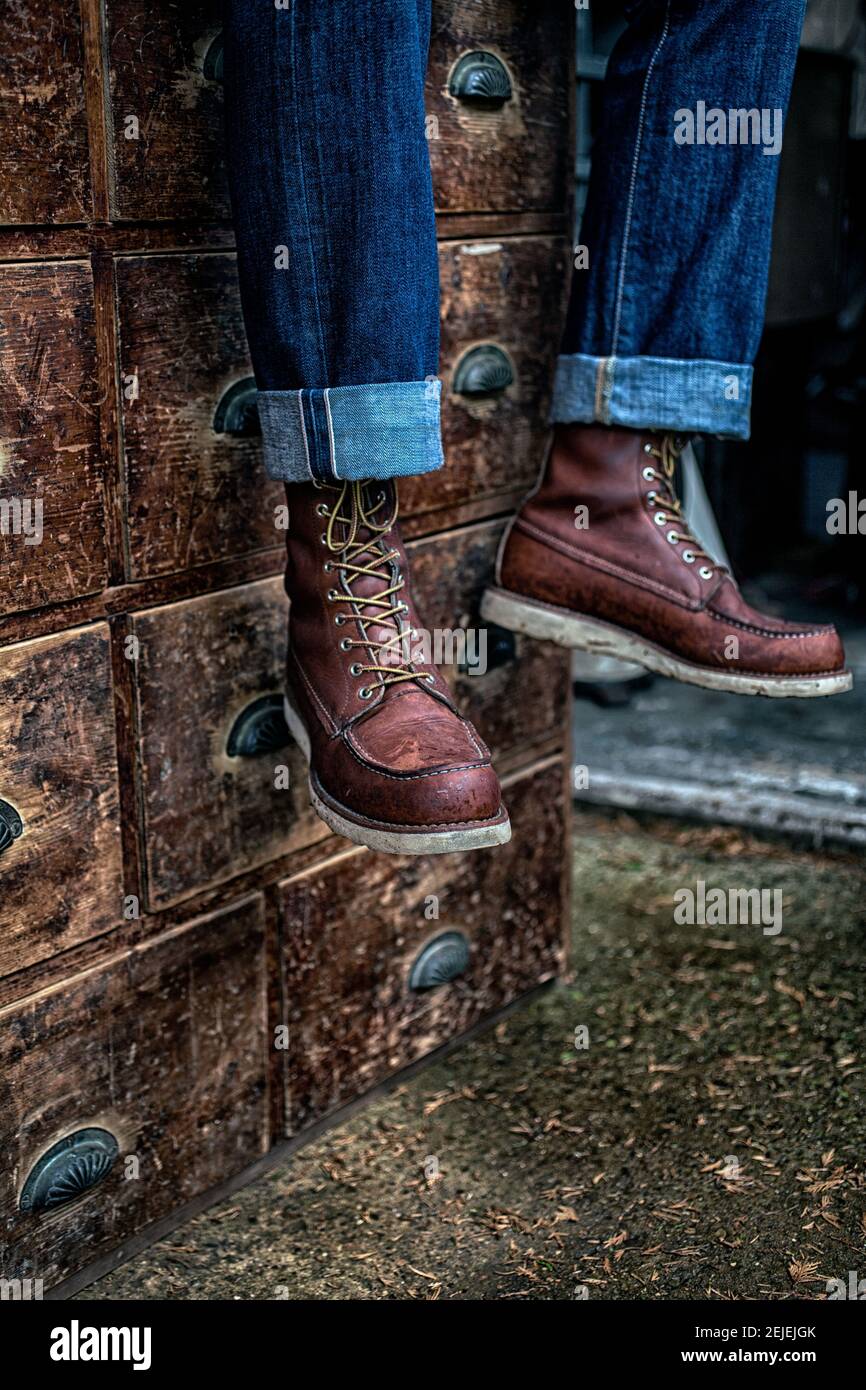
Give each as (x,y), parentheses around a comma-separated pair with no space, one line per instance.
(193,970)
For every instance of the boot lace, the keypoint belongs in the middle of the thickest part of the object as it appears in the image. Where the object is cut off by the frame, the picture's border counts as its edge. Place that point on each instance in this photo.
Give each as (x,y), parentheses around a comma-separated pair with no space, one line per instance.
(355,531)
(667,505)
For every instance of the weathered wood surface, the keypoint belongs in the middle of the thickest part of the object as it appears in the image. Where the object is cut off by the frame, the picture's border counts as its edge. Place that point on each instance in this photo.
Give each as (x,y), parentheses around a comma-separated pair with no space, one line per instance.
(208,816)
(166,1047)
(193,495)
(60,881)
(507,292)
(51,475)
(44,175)
(165,115)
(351,930)
(513,158)
(517,156)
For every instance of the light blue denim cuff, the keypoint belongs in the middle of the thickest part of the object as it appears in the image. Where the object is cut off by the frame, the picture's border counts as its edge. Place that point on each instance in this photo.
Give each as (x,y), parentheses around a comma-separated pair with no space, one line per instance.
(653,393)
(381,431)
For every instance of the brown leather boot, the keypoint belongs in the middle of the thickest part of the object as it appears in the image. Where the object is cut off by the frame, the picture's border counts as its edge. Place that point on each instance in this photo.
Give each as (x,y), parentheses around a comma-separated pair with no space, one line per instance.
(392,764)
(600,558)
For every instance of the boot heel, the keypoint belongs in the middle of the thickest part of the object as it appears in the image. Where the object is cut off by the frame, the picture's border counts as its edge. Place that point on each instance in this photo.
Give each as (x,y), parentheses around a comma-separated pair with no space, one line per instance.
(548,624)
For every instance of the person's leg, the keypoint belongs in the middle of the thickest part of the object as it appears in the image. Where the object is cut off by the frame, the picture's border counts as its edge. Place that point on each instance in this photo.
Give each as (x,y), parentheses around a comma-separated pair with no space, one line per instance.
(662,329)
(331,193)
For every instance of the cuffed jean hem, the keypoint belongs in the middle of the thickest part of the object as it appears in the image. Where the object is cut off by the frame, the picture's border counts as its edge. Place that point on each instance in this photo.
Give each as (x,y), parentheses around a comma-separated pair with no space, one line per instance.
(653,393)
(389,430)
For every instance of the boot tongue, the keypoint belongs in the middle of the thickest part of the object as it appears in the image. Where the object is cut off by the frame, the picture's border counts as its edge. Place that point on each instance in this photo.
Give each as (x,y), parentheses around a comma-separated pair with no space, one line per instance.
(385,575)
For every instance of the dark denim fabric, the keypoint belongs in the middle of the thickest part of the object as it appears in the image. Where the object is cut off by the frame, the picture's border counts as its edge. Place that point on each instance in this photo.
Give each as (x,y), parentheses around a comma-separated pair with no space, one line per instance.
(332,199)
(328,159)
(663,327)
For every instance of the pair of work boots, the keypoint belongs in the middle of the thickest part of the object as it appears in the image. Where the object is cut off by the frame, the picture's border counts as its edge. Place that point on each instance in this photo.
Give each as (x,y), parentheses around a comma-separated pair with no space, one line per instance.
(598,558)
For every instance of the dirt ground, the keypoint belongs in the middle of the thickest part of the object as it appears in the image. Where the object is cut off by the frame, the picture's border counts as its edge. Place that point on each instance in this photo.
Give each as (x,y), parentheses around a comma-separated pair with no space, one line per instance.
(707,1142)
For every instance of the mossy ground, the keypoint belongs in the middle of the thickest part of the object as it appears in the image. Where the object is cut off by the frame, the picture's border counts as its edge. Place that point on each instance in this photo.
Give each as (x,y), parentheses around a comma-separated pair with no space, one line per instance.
(708,1142)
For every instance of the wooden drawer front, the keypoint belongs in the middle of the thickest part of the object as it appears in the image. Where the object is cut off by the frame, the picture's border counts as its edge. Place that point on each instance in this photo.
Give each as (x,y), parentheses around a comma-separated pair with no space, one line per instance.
(510,152)
(44,174)
(165,111)
(209,815)
(51,504)
(61,875)
(197,493)
(162,1049)
(501,322)
(502,153)
(197,489)
(354,928)
(521,697)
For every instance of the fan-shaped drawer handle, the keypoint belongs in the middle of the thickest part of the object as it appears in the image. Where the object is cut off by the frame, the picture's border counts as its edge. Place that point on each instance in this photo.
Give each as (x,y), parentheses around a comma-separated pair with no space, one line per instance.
(481,79)
(68,1169)
(439,962)
(11,825)
(213,59)
(483,371)
(237,411)
(259,728)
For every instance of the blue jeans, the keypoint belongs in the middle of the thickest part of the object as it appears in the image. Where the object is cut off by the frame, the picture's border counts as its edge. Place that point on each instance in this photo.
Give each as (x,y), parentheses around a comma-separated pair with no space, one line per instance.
(336,236)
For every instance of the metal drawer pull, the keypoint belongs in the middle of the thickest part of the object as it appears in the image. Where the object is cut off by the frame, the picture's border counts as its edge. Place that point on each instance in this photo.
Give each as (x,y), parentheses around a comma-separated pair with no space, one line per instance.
(259,728)
(68,1169)
(481,79)
(238,412)
(483,371)
(213,60)
(11,825)
(443,959)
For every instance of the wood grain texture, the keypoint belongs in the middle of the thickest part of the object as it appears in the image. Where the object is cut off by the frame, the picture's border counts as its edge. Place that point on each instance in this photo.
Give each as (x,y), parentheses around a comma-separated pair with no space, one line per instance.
(352,930)
(60,882)
(207,816)
(193,495)
(509,292)
(515,157)
(514,705)
(166,1047)
(44,174)
(175,167)
(49,436)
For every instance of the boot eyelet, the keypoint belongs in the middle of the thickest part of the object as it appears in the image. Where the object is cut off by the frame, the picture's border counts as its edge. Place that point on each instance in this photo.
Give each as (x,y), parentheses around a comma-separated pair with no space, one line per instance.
(660,519)
(322,509)
(346,644)
(651,497)
(648,473)
(332,595)
(364,693)
(672,537)
(647,448)
(688,557)
(705,572)
(339,619)
(356,669)
(327,567)
(323,538)
(430,679)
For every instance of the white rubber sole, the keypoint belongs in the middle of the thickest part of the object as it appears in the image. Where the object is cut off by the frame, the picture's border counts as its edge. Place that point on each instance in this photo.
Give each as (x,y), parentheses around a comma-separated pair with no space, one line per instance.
(550,624)
(394,841)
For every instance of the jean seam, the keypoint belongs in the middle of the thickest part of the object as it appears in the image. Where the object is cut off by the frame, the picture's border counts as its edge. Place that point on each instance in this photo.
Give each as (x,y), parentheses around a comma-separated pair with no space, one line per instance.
(304,432)
(303,181)
(633,182)
(330,421)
